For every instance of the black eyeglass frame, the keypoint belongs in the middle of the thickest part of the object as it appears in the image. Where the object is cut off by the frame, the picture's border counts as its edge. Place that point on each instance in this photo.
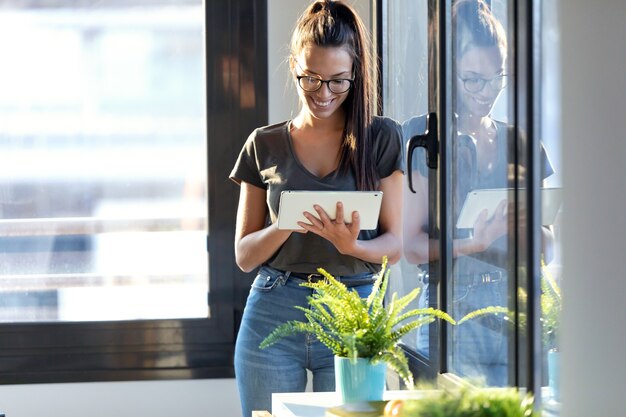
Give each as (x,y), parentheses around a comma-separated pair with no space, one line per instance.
(322,82)
(484,82)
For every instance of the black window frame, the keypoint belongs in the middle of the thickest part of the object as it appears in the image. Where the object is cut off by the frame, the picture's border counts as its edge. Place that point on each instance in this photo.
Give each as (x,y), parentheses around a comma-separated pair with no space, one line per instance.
(52,352)
(525,21)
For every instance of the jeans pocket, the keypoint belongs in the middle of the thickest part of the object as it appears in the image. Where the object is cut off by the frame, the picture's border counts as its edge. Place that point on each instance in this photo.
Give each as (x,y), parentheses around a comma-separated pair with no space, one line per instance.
(266,280)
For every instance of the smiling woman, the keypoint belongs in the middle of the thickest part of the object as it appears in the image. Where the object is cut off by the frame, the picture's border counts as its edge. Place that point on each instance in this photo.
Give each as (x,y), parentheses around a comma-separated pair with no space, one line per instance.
(333,144)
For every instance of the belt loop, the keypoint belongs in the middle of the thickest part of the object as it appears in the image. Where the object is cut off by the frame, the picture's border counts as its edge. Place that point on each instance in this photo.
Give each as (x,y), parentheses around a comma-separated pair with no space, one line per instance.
(285,277)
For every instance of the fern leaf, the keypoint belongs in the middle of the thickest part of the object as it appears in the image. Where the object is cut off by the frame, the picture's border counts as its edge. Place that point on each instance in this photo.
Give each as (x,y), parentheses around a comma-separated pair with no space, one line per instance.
(483,312)
(407,328)
(398,361)
(377,283)
(286,329)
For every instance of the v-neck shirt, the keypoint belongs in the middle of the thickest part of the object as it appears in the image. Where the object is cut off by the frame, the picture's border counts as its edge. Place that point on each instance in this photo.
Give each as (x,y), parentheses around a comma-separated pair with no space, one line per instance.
(268,160)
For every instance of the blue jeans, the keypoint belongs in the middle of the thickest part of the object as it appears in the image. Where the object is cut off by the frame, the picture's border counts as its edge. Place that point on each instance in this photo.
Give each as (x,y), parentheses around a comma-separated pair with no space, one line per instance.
(283,366)
(478,348)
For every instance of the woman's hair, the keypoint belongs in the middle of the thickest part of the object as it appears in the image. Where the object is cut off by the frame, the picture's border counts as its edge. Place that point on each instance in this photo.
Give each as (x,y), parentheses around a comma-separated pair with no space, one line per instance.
(327,23)
(477,26)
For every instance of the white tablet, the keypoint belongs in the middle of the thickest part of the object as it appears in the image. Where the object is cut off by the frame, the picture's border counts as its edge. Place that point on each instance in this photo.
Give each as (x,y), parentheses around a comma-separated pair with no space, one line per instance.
(294,203)
(478,200)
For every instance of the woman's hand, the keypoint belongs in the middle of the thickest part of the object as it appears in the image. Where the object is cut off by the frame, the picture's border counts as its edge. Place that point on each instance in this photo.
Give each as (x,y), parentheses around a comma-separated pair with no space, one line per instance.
(487,231)
(342,235)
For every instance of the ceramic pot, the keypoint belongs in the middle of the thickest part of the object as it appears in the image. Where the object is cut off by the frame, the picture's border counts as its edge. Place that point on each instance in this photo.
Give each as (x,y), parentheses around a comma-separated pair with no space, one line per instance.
(359,381)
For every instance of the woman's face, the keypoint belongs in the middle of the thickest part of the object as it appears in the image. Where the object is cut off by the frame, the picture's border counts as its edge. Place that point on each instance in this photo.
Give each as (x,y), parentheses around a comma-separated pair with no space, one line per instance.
(479,80)
(326,63)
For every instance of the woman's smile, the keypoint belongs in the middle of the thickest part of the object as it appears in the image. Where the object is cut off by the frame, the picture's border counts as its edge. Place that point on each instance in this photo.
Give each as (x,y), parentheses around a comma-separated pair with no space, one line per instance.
(321,103)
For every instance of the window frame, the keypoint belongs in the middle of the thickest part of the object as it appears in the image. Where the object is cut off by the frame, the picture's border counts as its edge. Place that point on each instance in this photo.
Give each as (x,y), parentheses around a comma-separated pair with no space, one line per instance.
(525,21)
(52,352)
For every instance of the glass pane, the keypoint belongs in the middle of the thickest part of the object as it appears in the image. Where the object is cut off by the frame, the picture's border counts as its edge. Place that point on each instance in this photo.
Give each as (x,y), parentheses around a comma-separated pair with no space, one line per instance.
(551,276)
(103,199)
(406,100)
(482,158)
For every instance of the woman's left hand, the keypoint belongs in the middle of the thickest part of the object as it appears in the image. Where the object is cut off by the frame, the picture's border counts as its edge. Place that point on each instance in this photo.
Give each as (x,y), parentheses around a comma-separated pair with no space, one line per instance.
(341,234)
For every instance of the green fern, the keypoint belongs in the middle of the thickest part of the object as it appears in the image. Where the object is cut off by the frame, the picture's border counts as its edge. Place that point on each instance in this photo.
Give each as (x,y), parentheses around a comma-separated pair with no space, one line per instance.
(485,311)
(353,327)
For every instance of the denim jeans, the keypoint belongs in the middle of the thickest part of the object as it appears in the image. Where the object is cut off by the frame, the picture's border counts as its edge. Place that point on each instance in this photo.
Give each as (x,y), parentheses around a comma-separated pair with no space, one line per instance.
(283,366)
(478,348)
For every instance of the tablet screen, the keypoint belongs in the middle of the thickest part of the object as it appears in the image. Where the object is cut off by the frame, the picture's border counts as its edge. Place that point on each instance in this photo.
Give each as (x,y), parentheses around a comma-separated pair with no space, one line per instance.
(294,203)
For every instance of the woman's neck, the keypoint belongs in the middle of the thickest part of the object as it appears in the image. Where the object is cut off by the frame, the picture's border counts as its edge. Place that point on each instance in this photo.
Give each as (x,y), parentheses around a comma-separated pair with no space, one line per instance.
(304,121)
(479,127)
(469,123)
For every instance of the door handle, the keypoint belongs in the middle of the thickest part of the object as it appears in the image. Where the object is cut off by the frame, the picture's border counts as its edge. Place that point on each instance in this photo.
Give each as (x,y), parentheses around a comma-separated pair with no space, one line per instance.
(428,141)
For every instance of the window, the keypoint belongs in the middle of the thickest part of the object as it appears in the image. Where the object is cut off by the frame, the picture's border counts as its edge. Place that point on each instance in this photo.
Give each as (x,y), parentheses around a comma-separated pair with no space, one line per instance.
(444,70)
(104,136)
(111,194)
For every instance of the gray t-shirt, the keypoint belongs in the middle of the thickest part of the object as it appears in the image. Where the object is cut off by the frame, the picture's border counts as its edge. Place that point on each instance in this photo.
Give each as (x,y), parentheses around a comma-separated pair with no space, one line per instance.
(268,161)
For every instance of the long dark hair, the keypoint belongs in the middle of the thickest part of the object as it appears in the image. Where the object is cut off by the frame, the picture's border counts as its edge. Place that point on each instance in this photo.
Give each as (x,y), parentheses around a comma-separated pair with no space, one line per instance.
(329,23)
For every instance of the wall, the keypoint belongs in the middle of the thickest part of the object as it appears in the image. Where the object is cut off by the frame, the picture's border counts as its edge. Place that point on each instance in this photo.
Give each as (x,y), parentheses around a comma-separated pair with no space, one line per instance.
(593,37)
(197,398)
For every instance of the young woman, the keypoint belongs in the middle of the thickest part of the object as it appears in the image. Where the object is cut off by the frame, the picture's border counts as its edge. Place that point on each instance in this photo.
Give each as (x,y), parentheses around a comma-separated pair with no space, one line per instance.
(334,143)
(484,159)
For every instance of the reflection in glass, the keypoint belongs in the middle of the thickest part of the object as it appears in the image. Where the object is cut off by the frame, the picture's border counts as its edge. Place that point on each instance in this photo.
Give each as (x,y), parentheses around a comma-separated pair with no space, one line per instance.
(405,95)
(482,159)
(551,270)
(484,155)
(103,182)
(477,84)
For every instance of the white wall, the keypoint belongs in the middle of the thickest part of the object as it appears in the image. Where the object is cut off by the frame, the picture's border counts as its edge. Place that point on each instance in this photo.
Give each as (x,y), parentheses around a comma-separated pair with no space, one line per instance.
(195,398)
(593,47)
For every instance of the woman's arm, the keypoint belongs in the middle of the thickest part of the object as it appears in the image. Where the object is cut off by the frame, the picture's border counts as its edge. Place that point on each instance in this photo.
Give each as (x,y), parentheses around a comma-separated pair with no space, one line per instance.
(416,240)
(255,243)
(345,235)
(420,249)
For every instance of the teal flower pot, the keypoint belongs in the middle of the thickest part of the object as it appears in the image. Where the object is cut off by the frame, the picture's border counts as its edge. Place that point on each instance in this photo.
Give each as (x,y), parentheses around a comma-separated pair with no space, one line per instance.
(554,373)
(360,381)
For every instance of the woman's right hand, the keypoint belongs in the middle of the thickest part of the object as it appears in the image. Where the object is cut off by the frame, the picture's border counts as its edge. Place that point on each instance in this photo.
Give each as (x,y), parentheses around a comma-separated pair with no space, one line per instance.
(487,231)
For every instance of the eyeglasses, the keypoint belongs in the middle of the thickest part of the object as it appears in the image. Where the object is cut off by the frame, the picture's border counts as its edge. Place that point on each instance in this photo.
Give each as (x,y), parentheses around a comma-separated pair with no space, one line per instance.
(311,84)
(474,85)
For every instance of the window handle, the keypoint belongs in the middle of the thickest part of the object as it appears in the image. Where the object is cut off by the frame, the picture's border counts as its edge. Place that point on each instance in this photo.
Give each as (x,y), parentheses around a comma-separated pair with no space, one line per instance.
(429,141)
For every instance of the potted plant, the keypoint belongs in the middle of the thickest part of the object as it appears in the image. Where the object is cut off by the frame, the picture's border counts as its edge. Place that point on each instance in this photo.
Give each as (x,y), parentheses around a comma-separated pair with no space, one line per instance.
(362,333)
